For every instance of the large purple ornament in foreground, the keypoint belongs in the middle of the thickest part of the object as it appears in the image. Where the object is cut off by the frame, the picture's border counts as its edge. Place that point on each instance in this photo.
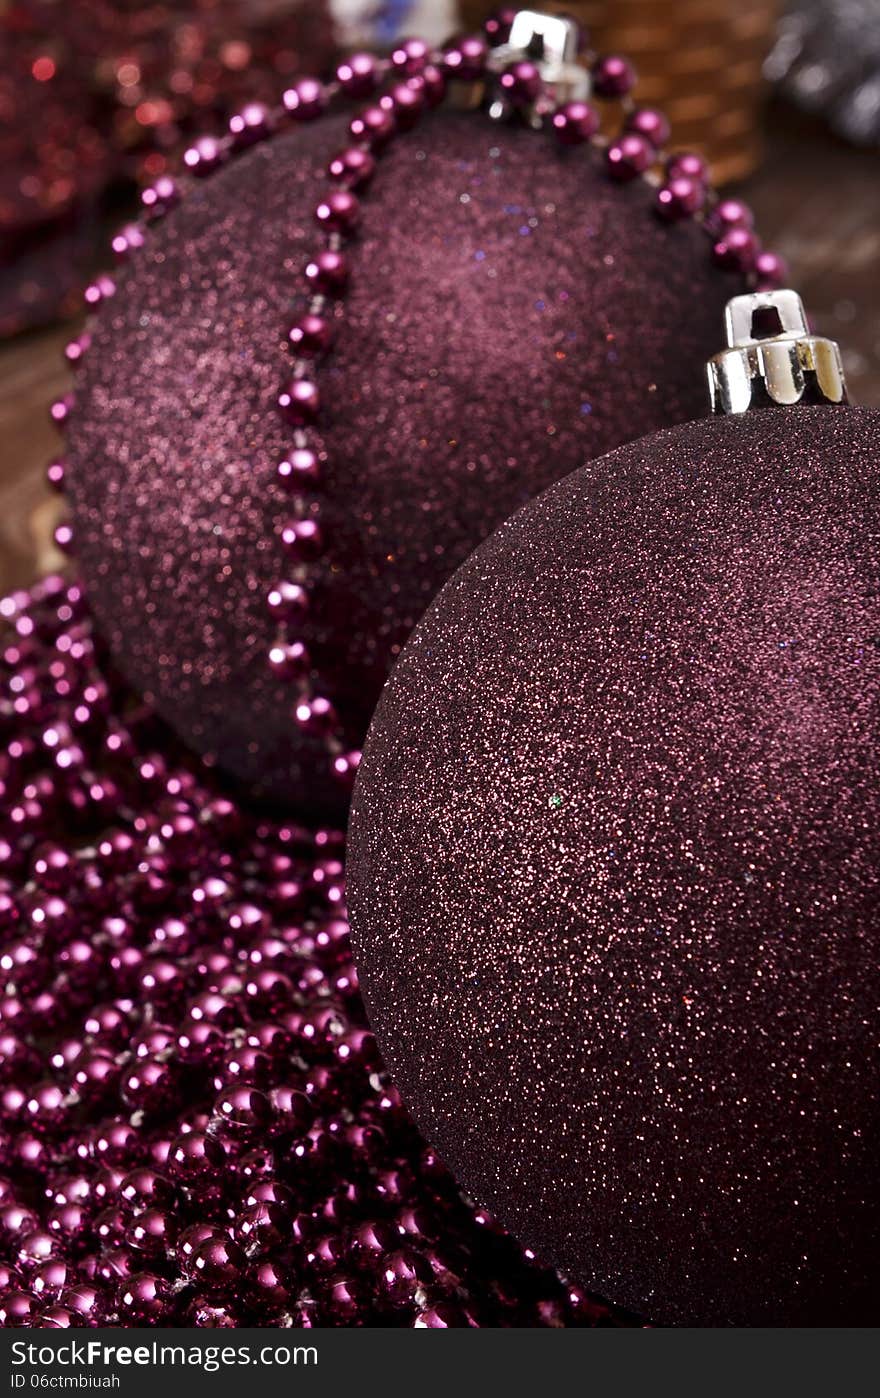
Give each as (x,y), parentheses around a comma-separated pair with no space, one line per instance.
(511,313)
(614,871)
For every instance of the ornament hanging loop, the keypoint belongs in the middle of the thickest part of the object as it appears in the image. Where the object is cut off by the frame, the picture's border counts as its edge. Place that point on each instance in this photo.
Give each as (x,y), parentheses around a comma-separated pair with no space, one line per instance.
(772,357)
(552,43)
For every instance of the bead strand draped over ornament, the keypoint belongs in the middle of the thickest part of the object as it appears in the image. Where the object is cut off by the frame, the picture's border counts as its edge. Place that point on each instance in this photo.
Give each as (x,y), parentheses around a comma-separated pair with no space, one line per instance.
(419,80)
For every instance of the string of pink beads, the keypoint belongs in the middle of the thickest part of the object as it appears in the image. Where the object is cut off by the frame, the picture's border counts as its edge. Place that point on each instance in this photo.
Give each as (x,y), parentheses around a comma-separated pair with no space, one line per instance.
(194,1125)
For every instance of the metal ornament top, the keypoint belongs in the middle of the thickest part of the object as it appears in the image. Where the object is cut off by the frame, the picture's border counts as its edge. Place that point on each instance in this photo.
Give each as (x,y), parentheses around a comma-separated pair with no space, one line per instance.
(551,42)
(772,357)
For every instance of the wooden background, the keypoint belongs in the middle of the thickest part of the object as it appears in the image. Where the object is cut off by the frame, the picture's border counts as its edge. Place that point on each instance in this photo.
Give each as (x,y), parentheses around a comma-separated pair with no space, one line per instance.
(817,202)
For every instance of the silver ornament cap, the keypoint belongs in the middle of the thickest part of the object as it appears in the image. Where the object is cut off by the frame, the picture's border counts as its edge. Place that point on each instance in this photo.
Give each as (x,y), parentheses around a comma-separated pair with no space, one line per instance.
(772,357)
(551,42)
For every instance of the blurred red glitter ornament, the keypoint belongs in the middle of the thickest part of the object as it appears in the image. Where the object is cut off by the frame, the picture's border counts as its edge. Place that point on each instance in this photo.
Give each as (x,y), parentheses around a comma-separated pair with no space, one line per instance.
(97,95)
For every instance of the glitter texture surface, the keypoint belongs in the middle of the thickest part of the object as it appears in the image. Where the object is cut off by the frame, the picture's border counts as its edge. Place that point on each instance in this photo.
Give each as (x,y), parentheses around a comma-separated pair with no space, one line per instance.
(613,871)
(512,313)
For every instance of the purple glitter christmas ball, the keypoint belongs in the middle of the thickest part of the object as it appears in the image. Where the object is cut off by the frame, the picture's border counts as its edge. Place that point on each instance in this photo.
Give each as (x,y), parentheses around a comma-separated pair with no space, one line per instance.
(614,871)
(509,312)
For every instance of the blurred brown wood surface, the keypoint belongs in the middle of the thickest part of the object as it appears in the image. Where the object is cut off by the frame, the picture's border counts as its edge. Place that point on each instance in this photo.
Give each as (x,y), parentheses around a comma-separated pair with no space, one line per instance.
(33,374)
(817,201)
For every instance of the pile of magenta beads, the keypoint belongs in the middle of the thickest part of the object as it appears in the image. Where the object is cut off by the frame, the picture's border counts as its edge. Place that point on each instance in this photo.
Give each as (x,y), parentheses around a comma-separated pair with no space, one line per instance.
(387,97)
(195,1128)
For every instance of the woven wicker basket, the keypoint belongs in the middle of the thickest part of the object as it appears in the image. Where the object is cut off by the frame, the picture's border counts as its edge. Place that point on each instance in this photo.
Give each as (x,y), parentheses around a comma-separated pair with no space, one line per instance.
(700,60)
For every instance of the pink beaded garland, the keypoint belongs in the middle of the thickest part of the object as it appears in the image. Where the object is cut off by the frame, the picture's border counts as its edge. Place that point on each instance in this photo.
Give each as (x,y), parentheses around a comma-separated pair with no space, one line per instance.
(214,1142)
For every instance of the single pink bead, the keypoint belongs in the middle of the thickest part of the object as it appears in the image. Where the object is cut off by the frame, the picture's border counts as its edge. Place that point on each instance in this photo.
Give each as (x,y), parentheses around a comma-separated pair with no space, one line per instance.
(340,211)
(49,1279)
(345,766)
(84,1301)
(289,660)
(127,241)
(161,196)
(203,156)
(613,76)
(302,540)
(151,1232)
(374,125)
(465,58)
(316,715)
(680,198)
(74,351)
(101,289)
(61,409)
(148,1087)
(431,83)
(240,1110)
(109,1025)
(689,165)
(342,1298)
(771,271)
(199,1043)
(411,56)
(192,1237)
(105,1184)
(195,1156)
(299,402)
(144,1298)
(737,251)
(35,1248)
(55,476)
(299,468)
(144,1188)
(96,1074)
(288,602)
(64,538)
(218,1264)
(305,100)
(47,1105)
(68,1222)
(17,1308)
(357,75)
(13,1103)
(521,82)
(405,102)
(498,26)
(251,124)
(353,168)
(574,123)
(728,214)
(328,271)
(629,157)
(650,123)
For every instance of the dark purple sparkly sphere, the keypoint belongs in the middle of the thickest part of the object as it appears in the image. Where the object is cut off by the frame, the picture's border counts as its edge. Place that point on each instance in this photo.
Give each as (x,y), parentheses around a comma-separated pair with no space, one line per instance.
(510,313)
(614,869)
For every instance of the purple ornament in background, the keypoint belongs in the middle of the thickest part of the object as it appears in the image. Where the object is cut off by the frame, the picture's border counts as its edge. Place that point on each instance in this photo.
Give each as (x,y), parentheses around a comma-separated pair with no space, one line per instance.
(511,313)
(614,871)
